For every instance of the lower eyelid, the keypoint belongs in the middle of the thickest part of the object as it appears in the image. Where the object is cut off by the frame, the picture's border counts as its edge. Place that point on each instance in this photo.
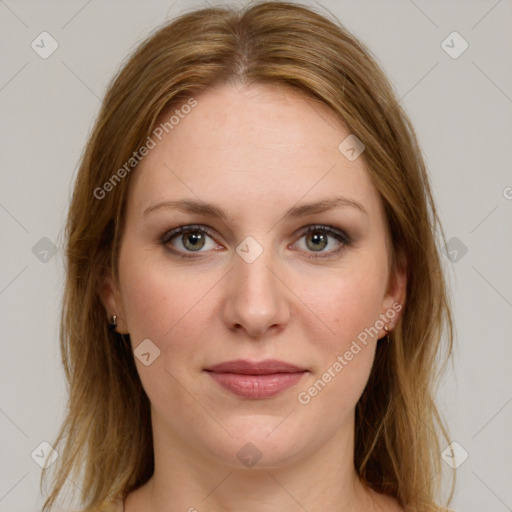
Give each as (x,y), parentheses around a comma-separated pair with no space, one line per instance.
(342,245)
(339,236)
(167,239)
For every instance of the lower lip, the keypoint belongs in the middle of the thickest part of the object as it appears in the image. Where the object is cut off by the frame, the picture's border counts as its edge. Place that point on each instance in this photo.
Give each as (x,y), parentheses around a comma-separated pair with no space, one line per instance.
(257,386)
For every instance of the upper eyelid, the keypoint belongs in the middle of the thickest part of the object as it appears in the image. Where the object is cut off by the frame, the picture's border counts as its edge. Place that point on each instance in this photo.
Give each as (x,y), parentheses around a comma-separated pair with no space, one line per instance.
(187,227)
(330,230)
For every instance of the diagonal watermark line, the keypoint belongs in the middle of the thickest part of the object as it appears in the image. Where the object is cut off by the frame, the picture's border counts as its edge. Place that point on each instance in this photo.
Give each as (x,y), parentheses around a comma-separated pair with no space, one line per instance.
(13,279)
(492,419)
(198,402)
(287,492)
(80,80)
(19,19)
(281,422)
(418,82)
(497,291)
(426,426)
(301,300)
(419,492)
(14,485)
(216,487)
(75,15)
(14,423)
(508,508)
(485,15)
(424,14)
(13,217)
(312,104)
(192,307)
(492,211)
(492,81)
(82,491)
(302,197)
(14,76)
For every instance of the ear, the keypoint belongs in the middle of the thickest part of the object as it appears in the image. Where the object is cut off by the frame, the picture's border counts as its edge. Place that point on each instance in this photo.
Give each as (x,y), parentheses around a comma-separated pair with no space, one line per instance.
(111,299)
(394,298)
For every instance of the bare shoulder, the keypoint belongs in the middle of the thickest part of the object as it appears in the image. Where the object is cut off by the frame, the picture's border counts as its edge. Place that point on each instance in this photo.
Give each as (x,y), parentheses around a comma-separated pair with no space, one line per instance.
(387,503)
(107,506)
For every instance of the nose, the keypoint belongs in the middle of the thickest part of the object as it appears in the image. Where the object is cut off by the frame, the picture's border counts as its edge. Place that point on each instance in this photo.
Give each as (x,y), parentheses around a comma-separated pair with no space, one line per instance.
(256,298)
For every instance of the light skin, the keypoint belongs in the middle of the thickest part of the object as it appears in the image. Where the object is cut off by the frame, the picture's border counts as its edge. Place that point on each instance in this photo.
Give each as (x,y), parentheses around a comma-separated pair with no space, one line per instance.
(254,152)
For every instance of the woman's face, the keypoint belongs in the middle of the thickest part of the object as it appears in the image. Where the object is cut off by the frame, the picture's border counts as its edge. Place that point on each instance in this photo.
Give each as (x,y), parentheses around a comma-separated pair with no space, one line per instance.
(248,171)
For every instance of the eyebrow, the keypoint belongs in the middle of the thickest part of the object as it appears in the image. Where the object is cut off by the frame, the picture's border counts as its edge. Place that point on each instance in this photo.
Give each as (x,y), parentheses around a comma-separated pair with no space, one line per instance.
(200,207)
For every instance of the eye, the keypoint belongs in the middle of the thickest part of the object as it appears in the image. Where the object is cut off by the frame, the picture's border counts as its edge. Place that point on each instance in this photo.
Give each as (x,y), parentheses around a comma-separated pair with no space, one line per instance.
(317,238)
(187,240)
(191,239)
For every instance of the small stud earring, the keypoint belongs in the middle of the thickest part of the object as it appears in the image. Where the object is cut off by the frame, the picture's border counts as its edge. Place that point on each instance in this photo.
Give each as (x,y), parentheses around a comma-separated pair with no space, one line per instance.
(113,322)
(386,328)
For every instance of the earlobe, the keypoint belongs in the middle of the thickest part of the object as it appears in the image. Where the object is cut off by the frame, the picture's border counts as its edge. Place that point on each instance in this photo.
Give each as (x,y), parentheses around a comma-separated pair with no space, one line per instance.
(110,298)
(395,296)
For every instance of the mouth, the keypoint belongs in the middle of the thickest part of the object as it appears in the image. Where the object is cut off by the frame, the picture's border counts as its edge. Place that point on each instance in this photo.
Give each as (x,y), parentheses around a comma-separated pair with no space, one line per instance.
(256,380)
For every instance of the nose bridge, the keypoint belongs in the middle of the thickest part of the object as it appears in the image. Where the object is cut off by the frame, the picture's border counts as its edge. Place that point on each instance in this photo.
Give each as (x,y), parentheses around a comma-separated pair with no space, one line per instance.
(253,273)
(254,281)
(255,297)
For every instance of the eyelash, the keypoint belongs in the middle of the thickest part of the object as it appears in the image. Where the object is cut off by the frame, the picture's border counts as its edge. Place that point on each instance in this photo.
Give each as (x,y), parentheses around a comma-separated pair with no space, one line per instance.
(340,236)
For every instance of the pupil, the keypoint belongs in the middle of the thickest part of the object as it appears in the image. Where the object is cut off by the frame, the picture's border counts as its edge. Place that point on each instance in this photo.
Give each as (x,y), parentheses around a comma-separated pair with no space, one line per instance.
(196,241)
(318,238)
(194,238)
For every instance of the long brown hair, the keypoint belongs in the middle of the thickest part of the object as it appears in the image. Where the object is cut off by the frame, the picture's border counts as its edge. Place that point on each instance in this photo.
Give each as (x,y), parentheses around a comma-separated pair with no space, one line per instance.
(399,433)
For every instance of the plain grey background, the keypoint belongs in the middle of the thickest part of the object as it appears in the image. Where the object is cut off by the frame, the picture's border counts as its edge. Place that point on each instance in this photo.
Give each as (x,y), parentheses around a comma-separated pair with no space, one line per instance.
(460,106)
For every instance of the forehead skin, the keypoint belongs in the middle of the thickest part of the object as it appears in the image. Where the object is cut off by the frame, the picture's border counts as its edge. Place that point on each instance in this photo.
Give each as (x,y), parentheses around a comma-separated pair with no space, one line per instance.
(257,150)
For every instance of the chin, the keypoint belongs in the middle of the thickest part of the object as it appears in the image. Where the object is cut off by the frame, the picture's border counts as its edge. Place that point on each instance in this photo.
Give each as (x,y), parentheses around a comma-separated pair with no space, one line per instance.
(263,442)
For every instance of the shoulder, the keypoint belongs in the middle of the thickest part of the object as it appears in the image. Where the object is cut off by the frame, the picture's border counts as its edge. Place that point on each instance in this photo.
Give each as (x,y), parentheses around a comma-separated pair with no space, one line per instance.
(107,506)
(388,503)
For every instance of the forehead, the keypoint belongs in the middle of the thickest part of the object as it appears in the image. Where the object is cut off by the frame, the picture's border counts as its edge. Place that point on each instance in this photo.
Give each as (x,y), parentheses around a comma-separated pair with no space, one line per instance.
(249,146)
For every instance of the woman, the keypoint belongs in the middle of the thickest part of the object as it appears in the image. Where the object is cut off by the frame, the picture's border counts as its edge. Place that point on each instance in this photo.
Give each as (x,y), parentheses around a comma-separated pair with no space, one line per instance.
(254,305)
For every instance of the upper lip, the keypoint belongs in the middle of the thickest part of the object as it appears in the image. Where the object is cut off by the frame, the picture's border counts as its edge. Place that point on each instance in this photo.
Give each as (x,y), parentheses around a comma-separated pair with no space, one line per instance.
(266,367)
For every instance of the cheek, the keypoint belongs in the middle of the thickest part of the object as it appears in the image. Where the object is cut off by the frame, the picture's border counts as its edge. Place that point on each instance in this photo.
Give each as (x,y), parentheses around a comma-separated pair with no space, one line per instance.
(157,299)
(350,303)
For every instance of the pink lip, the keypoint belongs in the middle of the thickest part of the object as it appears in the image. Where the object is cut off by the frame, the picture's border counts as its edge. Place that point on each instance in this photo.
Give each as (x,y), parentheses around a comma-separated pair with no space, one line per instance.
(256,379)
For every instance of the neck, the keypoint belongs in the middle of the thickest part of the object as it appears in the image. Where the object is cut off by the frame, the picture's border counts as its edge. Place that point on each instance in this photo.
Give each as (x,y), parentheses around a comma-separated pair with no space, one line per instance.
(186,480)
